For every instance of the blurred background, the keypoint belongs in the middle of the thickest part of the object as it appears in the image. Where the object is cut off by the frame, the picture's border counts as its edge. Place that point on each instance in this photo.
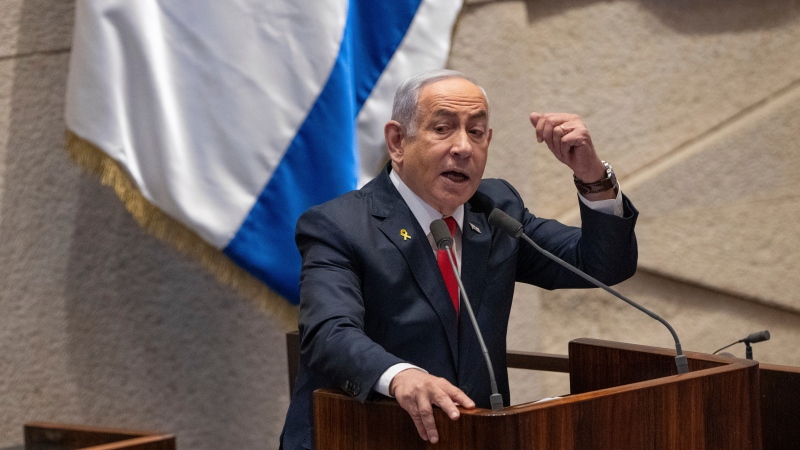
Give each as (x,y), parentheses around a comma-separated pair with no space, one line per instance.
(696,104)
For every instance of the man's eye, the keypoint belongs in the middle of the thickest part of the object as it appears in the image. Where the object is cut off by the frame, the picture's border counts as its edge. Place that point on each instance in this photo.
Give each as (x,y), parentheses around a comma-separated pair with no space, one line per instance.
(478,132)
(440,129)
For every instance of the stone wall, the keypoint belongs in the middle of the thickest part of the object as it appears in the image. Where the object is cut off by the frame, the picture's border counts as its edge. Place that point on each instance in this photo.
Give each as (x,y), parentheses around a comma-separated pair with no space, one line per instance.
(696,106)
(100,323)
(694,103)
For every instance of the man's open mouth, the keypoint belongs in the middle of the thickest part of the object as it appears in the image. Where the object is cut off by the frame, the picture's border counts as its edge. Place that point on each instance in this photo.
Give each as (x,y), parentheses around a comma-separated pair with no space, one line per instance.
(458,177)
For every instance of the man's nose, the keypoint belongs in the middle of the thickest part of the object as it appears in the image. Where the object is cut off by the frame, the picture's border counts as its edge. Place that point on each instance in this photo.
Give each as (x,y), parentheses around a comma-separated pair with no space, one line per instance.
(462,145)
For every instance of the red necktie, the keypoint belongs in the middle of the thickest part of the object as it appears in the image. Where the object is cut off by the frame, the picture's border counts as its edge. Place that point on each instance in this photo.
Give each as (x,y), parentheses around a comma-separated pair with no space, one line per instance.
(446,268)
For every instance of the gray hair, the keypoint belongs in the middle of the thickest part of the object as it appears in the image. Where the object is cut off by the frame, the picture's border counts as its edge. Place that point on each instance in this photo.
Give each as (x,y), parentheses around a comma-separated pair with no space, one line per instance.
(406,98)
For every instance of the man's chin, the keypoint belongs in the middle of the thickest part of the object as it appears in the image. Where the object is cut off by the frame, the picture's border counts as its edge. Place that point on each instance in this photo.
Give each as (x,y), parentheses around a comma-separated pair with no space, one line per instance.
(454,198)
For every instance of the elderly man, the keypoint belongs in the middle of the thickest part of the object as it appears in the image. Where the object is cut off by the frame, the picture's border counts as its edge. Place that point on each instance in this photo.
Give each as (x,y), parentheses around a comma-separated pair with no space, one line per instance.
(377,315)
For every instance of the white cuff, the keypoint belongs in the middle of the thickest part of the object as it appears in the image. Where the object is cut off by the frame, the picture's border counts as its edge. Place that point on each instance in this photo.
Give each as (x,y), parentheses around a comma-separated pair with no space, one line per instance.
(383,383)
(611,206)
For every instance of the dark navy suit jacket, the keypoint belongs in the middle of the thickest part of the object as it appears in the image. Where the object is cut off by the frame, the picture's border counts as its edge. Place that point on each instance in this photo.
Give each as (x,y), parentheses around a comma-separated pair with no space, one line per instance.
(371,298)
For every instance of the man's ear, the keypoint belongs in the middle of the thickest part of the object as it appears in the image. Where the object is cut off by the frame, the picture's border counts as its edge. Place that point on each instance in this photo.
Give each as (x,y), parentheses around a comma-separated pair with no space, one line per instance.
(393,132)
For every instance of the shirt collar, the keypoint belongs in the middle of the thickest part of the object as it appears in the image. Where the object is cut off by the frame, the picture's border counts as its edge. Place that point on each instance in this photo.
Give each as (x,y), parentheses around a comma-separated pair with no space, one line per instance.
(423,212)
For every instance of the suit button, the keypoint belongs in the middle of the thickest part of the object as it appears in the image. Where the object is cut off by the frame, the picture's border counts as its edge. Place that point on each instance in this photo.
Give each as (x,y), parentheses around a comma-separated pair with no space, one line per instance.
(351,388)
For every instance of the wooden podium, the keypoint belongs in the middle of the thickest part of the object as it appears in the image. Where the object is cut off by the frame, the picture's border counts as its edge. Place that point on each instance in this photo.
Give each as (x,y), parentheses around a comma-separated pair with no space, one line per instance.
(622,396)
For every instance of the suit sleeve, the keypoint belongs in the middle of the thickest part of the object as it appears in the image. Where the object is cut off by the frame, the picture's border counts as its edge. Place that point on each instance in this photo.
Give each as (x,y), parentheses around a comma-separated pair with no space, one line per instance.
(604,246)
(334,343)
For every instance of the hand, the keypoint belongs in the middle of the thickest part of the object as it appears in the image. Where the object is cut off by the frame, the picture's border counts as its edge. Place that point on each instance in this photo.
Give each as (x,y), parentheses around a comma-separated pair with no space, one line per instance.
(416,391)
(568,138)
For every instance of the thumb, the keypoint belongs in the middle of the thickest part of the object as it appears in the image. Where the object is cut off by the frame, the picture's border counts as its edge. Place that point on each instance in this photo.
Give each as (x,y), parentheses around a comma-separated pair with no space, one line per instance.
(535,116)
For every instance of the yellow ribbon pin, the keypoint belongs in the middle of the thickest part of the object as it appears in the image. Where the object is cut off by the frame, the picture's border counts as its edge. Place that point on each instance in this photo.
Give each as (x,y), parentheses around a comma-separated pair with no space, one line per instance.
(405,234)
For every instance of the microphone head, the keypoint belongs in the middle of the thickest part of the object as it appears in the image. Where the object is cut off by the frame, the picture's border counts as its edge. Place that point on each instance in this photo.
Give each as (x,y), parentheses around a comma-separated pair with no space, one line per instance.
(500,219)
(757,337)
(441,234)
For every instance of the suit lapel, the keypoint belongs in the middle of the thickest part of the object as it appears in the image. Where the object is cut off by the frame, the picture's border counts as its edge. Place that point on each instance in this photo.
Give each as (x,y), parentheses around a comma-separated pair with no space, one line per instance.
(413,244)
(476,240)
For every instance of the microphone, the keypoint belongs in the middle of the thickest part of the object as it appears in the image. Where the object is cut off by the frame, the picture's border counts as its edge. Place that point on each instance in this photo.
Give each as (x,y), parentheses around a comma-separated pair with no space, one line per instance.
(752,338)
(444,241)
(500,219)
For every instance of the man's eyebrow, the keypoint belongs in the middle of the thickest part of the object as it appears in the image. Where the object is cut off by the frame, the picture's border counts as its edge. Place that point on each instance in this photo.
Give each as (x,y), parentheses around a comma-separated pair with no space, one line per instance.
(482,114)
(444,113)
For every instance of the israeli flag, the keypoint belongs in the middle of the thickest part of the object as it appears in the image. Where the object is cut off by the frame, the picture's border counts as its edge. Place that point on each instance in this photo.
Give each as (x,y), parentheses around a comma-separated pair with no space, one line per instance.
(233,117)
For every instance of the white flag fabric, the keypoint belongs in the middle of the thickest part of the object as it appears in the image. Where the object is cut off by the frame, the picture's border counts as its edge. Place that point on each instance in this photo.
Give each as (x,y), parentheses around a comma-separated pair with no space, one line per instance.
(233,117)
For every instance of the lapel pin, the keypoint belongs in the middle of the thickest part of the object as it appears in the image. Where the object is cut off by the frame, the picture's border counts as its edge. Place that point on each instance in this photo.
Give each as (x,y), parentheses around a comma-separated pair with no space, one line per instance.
(475,228)
(405,234)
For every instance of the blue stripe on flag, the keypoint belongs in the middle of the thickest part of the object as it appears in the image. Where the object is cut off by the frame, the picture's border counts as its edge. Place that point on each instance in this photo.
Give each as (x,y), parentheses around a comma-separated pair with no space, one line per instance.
(321,162)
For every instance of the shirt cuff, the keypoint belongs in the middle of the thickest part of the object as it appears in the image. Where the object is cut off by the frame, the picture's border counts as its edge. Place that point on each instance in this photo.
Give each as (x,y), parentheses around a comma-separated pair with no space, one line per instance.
(383,383)
(611,206)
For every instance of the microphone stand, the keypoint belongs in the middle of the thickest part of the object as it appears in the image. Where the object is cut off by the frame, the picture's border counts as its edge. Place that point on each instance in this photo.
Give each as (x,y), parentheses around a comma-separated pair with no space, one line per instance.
(496,399)
(511,226)
(444,241)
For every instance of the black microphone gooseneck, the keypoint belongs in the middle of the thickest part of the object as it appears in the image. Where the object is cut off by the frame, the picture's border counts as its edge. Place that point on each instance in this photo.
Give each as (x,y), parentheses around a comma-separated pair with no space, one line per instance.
(444,241)
(752,338)
(511,226)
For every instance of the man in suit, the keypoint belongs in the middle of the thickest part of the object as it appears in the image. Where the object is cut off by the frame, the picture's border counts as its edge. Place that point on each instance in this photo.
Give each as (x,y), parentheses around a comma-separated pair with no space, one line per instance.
(376,314)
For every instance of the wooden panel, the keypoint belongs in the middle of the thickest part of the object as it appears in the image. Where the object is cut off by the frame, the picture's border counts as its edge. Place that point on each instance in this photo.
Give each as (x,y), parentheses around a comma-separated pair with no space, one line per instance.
(546,362)
(713,408)
(51,436)
(596,364)
(780,407)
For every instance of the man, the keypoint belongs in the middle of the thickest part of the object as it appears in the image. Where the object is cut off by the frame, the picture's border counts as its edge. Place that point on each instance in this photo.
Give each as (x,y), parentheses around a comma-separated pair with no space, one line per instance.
(376,316)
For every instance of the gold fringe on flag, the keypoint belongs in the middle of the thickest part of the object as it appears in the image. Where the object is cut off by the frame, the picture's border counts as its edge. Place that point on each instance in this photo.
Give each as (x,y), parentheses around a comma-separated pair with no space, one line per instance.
(162,226)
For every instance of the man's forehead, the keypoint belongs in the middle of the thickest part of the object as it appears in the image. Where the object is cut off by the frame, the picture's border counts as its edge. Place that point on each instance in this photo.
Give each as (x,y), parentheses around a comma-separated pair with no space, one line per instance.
(452,96)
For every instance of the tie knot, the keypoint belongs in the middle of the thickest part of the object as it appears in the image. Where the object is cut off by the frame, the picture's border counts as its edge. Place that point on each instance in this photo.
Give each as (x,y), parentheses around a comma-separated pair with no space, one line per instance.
(451,224)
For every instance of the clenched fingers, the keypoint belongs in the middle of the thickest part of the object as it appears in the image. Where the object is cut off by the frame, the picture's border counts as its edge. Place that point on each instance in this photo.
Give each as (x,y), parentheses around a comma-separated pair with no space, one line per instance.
(568,139)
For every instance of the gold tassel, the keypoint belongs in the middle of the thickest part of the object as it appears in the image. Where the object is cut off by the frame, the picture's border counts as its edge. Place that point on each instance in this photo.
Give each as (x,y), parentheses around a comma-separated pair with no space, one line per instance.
(152,219)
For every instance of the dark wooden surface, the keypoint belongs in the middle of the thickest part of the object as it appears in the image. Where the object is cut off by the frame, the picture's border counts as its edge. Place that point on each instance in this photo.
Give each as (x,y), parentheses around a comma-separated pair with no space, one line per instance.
(780,407)
(52,436)
(713,407)
(546,362)
(720,395)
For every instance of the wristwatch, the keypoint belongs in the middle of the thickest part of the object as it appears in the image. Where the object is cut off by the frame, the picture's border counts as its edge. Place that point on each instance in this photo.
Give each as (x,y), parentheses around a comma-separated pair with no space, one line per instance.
(610,181)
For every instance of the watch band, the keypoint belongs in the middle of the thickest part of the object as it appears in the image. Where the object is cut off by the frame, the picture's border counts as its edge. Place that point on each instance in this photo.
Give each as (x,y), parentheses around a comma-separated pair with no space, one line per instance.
(609,182)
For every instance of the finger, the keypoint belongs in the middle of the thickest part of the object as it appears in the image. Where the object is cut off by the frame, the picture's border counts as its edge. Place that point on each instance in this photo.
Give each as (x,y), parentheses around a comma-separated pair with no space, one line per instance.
(462,399)
(413,408)
(444,401)
(547,133)
(423,433)
(425,414)
(540,125)
(535,119)
(559,147)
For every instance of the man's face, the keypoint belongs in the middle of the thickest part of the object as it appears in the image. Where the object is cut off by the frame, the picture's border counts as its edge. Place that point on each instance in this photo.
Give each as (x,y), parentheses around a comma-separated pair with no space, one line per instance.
(444,161)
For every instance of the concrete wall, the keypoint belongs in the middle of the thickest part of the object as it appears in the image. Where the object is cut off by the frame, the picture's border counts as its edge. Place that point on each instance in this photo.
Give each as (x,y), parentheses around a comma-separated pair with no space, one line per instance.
(694,103)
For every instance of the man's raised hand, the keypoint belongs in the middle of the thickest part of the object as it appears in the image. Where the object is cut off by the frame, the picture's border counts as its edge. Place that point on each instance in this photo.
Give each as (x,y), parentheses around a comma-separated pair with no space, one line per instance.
(568,138)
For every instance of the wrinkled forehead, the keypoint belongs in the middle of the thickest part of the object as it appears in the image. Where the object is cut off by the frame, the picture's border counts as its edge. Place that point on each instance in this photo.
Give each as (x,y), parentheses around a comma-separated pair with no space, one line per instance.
(453,96)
